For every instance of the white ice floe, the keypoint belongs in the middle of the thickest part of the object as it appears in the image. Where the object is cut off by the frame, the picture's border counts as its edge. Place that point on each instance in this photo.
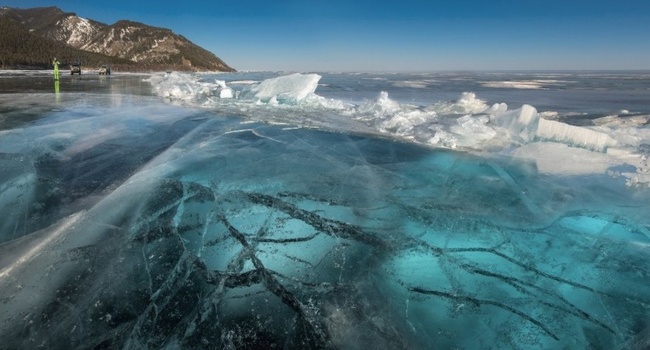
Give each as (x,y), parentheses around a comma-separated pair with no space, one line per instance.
(563,149)
(225,91)
(574,135)
(284,89)
(187,87)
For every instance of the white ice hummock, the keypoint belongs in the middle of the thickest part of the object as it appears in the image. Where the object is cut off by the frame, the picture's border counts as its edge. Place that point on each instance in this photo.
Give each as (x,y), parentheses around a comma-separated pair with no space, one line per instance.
(225,91)
(285,89)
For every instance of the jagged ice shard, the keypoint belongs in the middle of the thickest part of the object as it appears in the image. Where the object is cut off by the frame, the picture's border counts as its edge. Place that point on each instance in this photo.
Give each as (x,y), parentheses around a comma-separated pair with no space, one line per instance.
(278,218)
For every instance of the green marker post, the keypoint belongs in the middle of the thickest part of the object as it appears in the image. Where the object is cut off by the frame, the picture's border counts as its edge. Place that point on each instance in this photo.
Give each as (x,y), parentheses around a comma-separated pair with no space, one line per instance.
(56,68)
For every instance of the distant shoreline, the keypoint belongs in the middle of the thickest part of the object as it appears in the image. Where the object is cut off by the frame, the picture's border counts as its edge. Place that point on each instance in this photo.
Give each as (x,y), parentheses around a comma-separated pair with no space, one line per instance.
(115,70)
(87,71)
(117,67)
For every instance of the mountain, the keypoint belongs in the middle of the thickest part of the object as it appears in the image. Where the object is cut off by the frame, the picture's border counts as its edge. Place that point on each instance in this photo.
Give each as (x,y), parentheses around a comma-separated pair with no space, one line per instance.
(34,34)
(22,49)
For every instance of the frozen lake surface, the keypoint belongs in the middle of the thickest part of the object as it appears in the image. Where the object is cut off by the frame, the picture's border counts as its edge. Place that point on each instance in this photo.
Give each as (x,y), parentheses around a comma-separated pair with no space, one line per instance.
(310,211)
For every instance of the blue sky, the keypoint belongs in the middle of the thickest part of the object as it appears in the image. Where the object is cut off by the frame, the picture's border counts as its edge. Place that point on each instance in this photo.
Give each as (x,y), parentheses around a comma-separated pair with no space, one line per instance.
(406,35)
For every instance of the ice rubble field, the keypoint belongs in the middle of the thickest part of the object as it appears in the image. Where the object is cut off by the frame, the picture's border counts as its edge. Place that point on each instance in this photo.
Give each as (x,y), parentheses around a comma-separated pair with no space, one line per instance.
(466,124)
(172,228)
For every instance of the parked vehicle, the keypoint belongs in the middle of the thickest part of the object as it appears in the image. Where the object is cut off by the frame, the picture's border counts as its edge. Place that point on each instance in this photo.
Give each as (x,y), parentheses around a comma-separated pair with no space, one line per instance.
(105,70)
(75,68)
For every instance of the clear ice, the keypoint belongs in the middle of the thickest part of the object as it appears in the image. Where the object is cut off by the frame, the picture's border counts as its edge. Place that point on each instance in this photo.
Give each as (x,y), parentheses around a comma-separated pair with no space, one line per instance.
(175,229)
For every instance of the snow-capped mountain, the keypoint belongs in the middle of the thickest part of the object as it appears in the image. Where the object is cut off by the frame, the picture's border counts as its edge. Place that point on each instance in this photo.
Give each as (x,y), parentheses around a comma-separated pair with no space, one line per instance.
(136,42)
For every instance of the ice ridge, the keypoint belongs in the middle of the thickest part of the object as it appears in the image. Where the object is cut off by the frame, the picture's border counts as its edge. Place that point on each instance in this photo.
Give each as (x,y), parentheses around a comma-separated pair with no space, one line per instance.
(468,123)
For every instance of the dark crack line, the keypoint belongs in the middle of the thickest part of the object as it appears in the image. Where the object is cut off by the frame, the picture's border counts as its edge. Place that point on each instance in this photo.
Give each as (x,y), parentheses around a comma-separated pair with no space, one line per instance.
(287,240)
(276,287)
(480,302)
(324,285)
(154,216)
(245,279)
(163,296)
(518,284)
(524,266)
(312,198)
(249,278)
(298,260)
(348,231)
(331,227)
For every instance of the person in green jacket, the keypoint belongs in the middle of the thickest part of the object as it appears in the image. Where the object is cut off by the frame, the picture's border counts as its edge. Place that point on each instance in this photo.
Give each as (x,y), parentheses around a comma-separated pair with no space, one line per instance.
(56,68)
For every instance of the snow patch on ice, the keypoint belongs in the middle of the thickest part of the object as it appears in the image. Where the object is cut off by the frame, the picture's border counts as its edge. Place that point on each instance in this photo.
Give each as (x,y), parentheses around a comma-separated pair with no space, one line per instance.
(243,82)
(523,84)
(414,84)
